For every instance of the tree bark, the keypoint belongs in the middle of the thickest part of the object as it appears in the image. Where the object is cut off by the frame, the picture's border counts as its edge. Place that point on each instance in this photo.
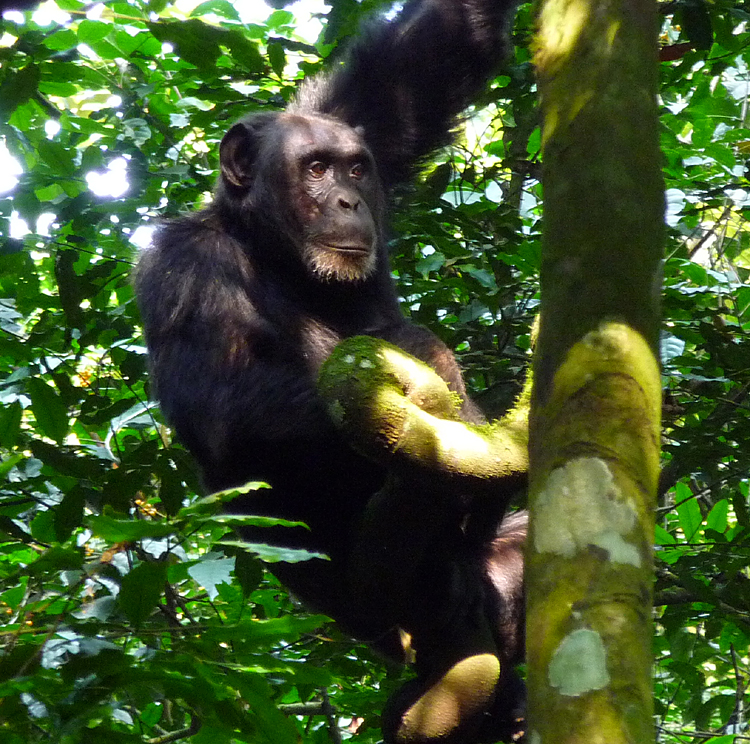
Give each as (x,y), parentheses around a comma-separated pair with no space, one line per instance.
(595,418)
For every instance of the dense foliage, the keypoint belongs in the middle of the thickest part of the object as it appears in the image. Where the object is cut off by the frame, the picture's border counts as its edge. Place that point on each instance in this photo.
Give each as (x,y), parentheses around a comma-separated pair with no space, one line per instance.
(127,612)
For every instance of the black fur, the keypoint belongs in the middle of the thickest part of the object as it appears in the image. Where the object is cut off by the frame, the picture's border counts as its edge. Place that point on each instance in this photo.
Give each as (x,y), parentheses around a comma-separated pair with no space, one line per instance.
(243,301)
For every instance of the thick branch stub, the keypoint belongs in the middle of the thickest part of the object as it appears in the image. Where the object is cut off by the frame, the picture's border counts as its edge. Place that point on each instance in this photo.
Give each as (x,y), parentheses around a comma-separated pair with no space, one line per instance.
(395,408)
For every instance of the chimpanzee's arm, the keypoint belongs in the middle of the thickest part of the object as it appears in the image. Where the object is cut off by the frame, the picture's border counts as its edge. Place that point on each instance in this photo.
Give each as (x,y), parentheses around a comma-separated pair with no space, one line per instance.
(405,81)
(224,376)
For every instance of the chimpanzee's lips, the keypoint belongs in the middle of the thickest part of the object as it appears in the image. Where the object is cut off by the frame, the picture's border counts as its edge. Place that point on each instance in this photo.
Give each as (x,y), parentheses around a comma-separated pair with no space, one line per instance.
(353,249)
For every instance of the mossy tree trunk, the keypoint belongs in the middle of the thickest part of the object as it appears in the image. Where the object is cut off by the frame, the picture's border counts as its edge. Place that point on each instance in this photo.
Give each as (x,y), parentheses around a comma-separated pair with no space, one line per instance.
(595,420)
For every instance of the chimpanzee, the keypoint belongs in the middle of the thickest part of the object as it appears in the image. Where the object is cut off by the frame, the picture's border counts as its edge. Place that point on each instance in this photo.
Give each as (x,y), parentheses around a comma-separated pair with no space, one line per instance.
(243,301)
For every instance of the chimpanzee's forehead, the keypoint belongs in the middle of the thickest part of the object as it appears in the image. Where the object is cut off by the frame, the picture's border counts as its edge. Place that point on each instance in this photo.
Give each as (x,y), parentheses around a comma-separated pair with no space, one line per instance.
(313,131)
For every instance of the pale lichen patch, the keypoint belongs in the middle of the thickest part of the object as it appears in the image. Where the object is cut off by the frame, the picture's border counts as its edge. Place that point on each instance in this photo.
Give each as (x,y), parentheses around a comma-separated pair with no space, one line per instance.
(581,505)
(579,664)
(336,412)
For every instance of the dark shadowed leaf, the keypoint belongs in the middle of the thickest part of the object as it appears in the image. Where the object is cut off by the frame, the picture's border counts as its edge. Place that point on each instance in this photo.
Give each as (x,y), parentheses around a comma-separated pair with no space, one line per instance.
(10,424)
(141,589)
(127,530)
(17,88)
(49,410)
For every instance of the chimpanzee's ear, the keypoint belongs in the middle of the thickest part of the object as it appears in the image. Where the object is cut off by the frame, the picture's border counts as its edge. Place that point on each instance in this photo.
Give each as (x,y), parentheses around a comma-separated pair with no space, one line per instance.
(239,151)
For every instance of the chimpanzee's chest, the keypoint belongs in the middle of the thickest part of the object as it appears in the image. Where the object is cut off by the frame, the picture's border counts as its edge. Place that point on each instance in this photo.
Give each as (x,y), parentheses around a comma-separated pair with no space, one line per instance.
(318,340)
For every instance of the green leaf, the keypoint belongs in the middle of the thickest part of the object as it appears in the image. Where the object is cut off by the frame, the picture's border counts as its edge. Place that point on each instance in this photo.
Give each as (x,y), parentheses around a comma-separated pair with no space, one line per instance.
(69,512)
(90,32)
(274,553)
(107,662)
(12,597)
(535,142)
(66,461)
(220,7)
(49,410)
(128,530)
(196,42)
(288,627)
(213,503)
(141,44)
(99,609)
(663,537)
(51,193)
(274,725)
(10,530)
(248,570)
(244,51)
(718,517)
(57,88)
(250,520)
(57,559)
(61,40)
(688,511)
(20,658)
(740,505)
(721,154)
(277,57)
(152,714)
(9,463)
(17,88)
(209,573)
(10,424)
(191,102)
(171,490)
(42,527)
(57,157)
(137,130)
(484,277)
(279,19)
(179,121)
(434,262)
(141,589)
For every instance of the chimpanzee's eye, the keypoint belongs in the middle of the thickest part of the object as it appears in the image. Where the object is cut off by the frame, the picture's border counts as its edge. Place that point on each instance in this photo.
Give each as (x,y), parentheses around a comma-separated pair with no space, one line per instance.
(317,169)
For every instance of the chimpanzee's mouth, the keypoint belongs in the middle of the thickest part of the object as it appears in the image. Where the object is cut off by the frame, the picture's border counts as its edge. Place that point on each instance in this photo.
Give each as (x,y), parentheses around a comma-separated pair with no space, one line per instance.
(357,250)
